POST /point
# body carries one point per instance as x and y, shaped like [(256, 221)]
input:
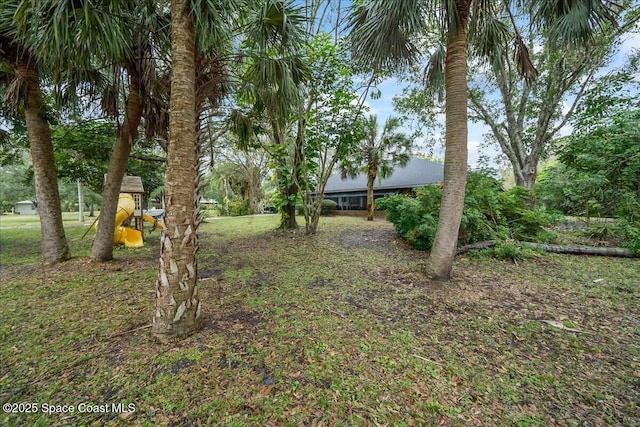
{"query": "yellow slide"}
[(129, 237), (152, 220)]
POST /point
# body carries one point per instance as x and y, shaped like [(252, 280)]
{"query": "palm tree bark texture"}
[(178, 307), (54, 242), (440, 263), (371, 179)]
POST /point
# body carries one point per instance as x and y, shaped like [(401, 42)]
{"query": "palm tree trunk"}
[(443, 252), (177, 303), (102, 249), (371, 207), (54, 242)]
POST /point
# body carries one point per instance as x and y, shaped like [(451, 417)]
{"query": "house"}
[(351, 193), (25, 207)]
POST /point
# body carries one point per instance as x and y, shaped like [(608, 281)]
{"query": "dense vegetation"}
[(490, 213)]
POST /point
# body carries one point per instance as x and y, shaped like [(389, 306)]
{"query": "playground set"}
[(130, 208)]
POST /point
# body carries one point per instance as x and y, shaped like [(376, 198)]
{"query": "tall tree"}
[(23, 93), (378, 154), (200, 31), (525, 116), (177, 303), (330, 123), (133, 80), (386, 33), (382, 32), (272, 88)]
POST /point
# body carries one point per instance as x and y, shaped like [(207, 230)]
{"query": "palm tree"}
[(273, 82), (177, 304), (382, 31), (112, 36), (23, 93), (200, 39), (384, 36), (134, 79), (377, 155)]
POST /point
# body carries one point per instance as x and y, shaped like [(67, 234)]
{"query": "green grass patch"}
[(341, 328)]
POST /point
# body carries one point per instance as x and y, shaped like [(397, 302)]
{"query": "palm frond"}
[(383, 32), (276, 24), (523, 59), (489, 33), (212, 24), (276, 81), (434, 71), (575, 22), (242, 126), (69, 32), (14, 92)]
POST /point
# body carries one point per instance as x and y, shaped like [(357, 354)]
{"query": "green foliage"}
[(378, 151), (512, 250), (83, 150), (630, 233), (328, 207), (280, 201), (489, 214), (238, 207), (600, 171), (629, 227)]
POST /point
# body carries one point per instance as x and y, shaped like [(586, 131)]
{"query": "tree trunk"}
[(288, 190), (443, 252), (102, 249), (288, 214), (371, 207), (253, 195), (178, 307), (54, 242), (526, 175), (559, 249)]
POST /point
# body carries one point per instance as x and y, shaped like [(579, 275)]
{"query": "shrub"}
[(328, 207), (238, 207), (489, 214), (512, 250), (391, 206)]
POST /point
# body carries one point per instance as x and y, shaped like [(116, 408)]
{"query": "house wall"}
[(358, 200), (25, 209)]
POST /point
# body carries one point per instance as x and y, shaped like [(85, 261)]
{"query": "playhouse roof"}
[(131, 184)]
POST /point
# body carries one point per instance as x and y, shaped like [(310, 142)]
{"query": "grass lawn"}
[(68, 219), (338, 329)]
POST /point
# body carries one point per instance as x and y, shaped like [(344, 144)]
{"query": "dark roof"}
[(417, 172)]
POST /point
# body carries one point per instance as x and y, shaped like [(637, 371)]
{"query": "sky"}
[(383, 108)]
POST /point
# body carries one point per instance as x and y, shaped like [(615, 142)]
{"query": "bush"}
[(238, 207), (489, 214), (328, 207)]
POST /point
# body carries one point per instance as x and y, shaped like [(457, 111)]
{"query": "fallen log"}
[(475, 246), (559, 249)]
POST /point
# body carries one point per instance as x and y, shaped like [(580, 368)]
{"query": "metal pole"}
[(80, 203)]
